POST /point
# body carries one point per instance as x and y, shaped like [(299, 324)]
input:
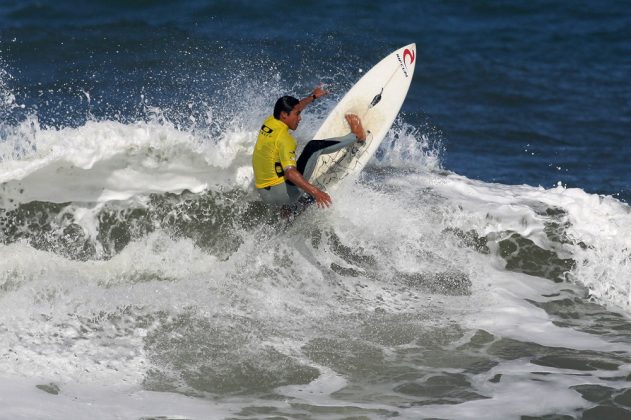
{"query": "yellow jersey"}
[(275, 150)]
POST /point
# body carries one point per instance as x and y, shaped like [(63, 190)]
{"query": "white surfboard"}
[(376, 98)]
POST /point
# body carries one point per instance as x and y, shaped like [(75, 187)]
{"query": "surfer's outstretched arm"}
[(318, 92), (322, 199)]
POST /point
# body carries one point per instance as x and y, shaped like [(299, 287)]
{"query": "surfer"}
[(278, 175)]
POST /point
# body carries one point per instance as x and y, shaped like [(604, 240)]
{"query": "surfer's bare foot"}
[(356, 127)]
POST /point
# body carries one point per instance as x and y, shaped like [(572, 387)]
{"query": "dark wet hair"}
[(284, 104)]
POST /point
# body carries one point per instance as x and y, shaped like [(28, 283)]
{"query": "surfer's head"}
[(286, 111)]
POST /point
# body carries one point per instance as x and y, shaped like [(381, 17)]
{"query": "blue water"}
[(478, 268), (518, 93)]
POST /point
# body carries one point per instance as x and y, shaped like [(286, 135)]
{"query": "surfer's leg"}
[(277, 194), (293, 192), (280, 194), (312, 151), (289, 198)]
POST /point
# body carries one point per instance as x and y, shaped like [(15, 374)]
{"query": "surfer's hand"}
[(322, 199), (318, 92)]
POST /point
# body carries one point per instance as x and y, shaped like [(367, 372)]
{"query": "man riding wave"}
[(278, 175)]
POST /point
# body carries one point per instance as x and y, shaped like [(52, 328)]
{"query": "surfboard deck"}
[(376, 98)]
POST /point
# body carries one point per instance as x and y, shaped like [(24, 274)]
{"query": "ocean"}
[(479, 267)]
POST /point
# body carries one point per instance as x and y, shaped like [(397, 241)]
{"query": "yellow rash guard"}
[(275, 149)]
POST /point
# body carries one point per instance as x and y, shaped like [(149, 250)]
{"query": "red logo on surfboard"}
[(408, 58), (408, 53)]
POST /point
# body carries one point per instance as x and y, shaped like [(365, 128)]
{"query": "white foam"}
[(519, 393), (63, 306), (20, 399), (275, 278), (506, 313), (598, 231), (406, 146), (291, 287), (105, 161)]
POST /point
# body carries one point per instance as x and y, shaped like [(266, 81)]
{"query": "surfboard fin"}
[(376, 99)]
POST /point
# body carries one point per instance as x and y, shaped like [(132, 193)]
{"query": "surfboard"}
[(376, 98)]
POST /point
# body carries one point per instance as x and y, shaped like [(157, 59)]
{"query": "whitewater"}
[(141, 278)]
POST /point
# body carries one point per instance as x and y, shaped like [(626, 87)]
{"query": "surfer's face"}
[(292, 119)]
